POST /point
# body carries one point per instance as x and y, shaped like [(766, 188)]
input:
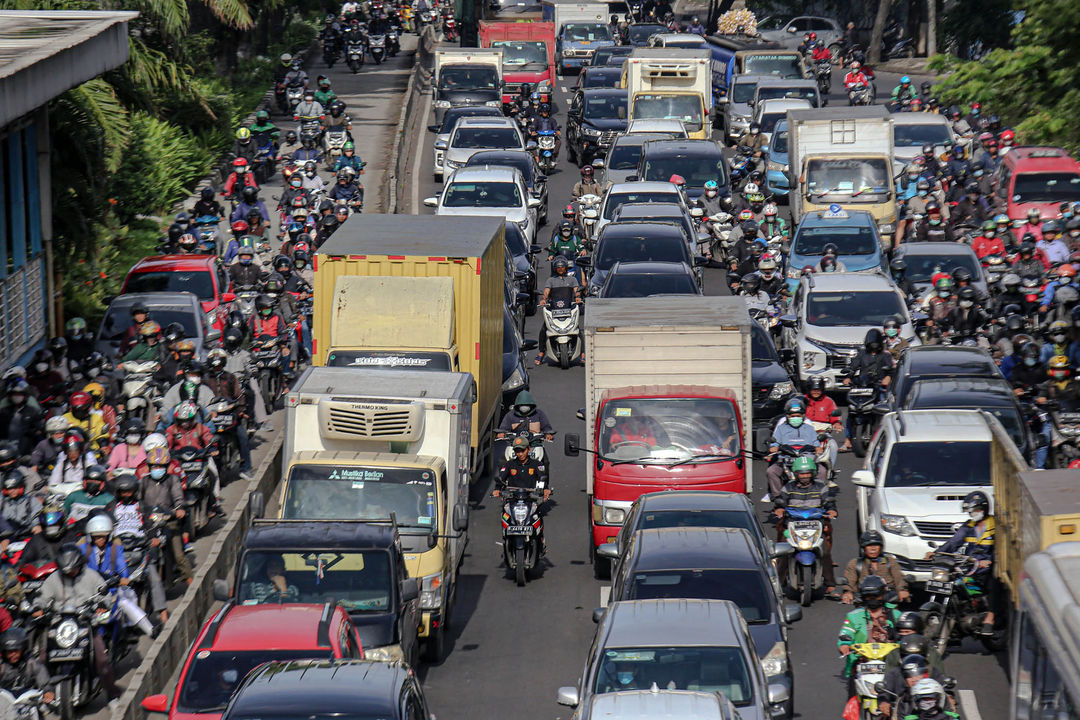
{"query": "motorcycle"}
[(823, 76), (450, 33), (330, 52), (198, 485), (536, 444), (206, 230), (377, 47), (336, 137), (393, 43), (894, 45), (265, 164), (139, 389), (995, 266), (354, 55), (294, 94), (719, 228), (742, 164), (266, 361), (1064, 438), (957, 606), (545, 149), (562, 318), (588, 209), (523, 531), (426, 18), (859, 94), (226, 419), (27, 705), (869, 670), (805, 532), (862, 402)]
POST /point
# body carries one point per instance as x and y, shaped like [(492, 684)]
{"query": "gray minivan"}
[(666, 704)]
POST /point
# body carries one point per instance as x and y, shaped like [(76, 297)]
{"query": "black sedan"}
[(623, 242), (522, 160), (524, 256), (595, 118), (645, 279), (608, 76)]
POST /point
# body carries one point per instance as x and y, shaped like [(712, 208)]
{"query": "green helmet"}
[(804, 464), (262, 116), (989, 225), (76, 324)]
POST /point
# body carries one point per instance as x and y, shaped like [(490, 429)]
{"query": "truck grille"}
[(582, 52), (352, 421), (511, 88), (934, 529)]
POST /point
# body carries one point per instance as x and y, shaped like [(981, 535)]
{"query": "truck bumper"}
[(429, 623), (604, 533), (566, 63)]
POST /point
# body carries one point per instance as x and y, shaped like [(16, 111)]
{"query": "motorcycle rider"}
[(772, 224), (71, 467), (587, 185), (20, 416), (189, 387), (696, 27), (1031, 226), (268, 322), (902, 92), (973, 208), (349, 159), (975, 538), (1028, 263), (324, 95), (80, 341), (830, 251), (207, 204), (820, 53), (524, 471), (131, 518), (874, 622), (894, 343), (854, 79), (750, 289), (20, 513), (20, 670), (1051, 245), (967, 318), (244, 273), (309, 109), (806, 492), (106, 556), (345, 190), (46, 452), (262, 131), (330, 37), (160, 486), (1060, 386), (224, 384), (239, 178), (239, 364), (772, 281), (1059, 343), (872, 561), (129, 454), (242, 146), (82, 503), (310, 178), (929, 702), (309, 151), (935, 229), (249, 200), (753, 141), (989, 242), (546, 123), (794, 431), (560, 279), (565, 242), (525, 415), (43, 375)]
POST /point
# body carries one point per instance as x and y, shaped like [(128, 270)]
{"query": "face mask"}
[(923, 193), (157, 472), (194, 379), (41, 367), (943, 294), (873, 601), (17, 398), (265, 312), (1030, 362), (93, 372), (625, 678), (892, 332), (990, 234), (977, 515), (1064, 280), (978, 173), (935, 222), (711, 193), (300, 265), (133, 439), (927, 703), (795, 421), (57, 440)]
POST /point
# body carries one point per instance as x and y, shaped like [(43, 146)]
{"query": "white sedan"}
[(493, 190)]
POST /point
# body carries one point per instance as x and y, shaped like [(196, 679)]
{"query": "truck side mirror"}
[(461, 517), (221, 592), (410, 590), (256, 505), (571, 445)]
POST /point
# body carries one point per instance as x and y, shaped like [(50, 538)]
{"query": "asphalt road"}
[(512, 647)]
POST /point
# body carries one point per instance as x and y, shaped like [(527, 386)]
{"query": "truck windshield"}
[(919, 135), (785, 65), (848, 239), (388, 360), (482, 195), (926, 464), (1046, 187), (743, 92), (838, 309), (358, 581), (640, 34), (685, 108), (576, 32), (708, 669), (200, 283), (516, 52), (330, 492), (742, 587), (468, 77), (853, 180), (666, 431)]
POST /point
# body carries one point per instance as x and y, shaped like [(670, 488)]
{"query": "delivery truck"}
[(466, 76), (416, 292), (528, 56), (387, 447), (580, 28), (841, 158), (667, 401), (670, 83)]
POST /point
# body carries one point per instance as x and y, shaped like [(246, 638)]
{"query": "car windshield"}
[(768, 120), (614, 200), (517, 52), (848, 239), (606, 78), (515, 240), (482, 195), (1046, 187), (778, 142), (629, 284), (576, 32), (663, 431), (920, 268), (624, 156), (1007, 416), (198, 282), (358, 581), (521, 162), (761, 348), (118, 320), (919, 135), (651, 247), (489, 137), (684, 108), (774, 22), (639, 34), (331, 492), (466, 77), (853, 180), (941, 462), (699, 518), (214, 675), (454, 114), (743, 92), (785, 65), (838, 309), (778, 92), (706, 669), (745, 588), (696, 168), (610, 106)]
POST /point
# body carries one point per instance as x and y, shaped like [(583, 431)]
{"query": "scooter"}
[(545, 150), (869, 670), (336, 137), (198, 485), (139, 389), (957, 606), (562, 319), (823, 76), (523, 531), (859, 94), (293, 95), (226, 418), (806, 533), (377, 47), (27, 705)]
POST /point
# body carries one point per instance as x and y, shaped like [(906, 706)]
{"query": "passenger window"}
[(820, 24)]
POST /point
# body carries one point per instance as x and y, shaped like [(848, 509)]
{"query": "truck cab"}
[(528, 56), (466, 76), (577, 41), (672, 83)]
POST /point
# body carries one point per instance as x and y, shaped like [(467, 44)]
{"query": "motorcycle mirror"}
[(949, 682), (531, 145), (879, 687), (571, 445), (213, 335), (696, 212), (580, 414), (788, 320)]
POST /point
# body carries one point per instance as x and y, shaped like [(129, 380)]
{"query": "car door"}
[(865, 498), (573, 119)]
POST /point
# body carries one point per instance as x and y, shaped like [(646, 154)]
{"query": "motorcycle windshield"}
[(805, 513)]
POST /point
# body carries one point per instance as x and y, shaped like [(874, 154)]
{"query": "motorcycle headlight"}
[(775, 663), (494, 103), (521, 513), (67, 632), (897, 525), (939, 575), (516, 380), (442, 104), (387, 653), (431, 592), (780, 390)]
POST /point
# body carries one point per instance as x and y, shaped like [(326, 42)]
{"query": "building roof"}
[(45, 53)]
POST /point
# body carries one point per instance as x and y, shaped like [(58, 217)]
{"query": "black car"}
[(329, 689), (595, 117), (936, 361), (523, 160), (637, 242), (697, 161), (605, 76), (452, 115), (660, 211), (612, 55), (993, 395), (645, 279), (515, 373), (524, 256), (710, 563), (359, 566), (772, 384), (638, 35)]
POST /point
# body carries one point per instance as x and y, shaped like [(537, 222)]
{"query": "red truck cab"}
[(661, 437), (202, 275), (528, 55), (1037, 177)]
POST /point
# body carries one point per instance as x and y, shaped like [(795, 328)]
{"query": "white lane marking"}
[(969, 705), (563, 88), (605, 595), (415, 208)]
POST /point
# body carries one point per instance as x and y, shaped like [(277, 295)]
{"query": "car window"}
[(941, 462), (624, 156), (920, 268), (632, 285), (745, 588), (606, 107), (848, 239), (743, 92), (482, 195), (640, 249), (820, 24), (198, 282), (469, 138), (1046, 187), (840, 308), (919, 135), (779, 92), (877, 455), (696, 168), (615, 200), (213, 676), (118, 320), (761, 348), (708, 669)]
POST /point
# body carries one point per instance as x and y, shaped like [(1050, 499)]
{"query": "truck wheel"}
[(435, 646)]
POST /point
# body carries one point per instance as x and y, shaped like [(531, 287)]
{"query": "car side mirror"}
[(584, 262), (567, 696), (523, 297), (580, 414), (782, 549), (256, 504), (598, 614), (431, 202), (791, 29), (461, 517), (788, 321), (631, 178), (599, 164), (440, 144), (787, 355), (534, 248), (571, 445), (792, 613), (863, 478), (213, 335), (608, 550), (530, 344), (433, 128), (534, 203), (764, 148), (531, 145), (723, 100), (778, 694), (410, 590), (156, 704), (221, 592), (696, 212), (228, 297)]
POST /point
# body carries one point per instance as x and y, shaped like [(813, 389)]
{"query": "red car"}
[(202, 275), (238, 638), (1037, 177)]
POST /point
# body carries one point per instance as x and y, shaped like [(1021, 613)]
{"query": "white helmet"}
[(154, 440), (928, 694), (100, 524), (750, 189), (57, 423), (771, 209)]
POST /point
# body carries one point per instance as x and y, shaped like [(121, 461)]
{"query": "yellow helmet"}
[(96, 391), (1058, 362), (243, 134)]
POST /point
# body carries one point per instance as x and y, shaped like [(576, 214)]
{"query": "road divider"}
[(408, 124)]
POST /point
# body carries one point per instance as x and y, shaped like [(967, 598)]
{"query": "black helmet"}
[(898, 266), (58, 346), (1073, 224), (173, 332), (232, 339), (830, 249), (14, 479), (545, 108), (139, 308), (561, 262), (871, 537), (910, 620), (914, 666), (14, 639), (70, 559), (872, 585), (250, 195), (133, 425), (1027, 247), (263, 302), (8, 452), (977, 499), (873, 340), (174, 233), (282, 262), (329, 222), (195, 367), (914, 644), (928, 149), (751, 283), (755, 126), (968, 293), (961, 274), (816, 382), (274, 284), (95, 473), (1030, 350), (1014, 323), (125, 483)]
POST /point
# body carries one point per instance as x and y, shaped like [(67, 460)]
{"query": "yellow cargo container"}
[(412, 314)]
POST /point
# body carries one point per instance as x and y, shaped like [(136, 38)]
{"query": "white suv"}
[(830, 316), (919, 467), (473, 134)]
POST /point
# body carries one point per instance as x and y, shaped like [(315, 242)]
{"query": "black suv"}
[(938, 362), (595, 118)]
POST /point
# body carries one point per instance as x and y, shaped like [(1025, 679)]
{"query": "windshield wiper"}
[(216, 708), (828, 192), (698, 458)]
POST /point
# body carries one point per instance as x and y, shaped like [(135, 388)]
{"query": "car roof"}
[(672, 623), (490, 173), (1028, 158), (935, 248), (164, 263), (639, 138), (919, 118), (852, 282), (855, 217), (644, 186), (781, 104), (156, 299), (661, 229), (939, 425), (282, 535), (656, 704), (657, 209), (960, 393), (748, 78), (694, 500), (494, 156), (770, 81), (613, 92), (295, 626), (320, 687), (694, 547), (668, 37), (650, 267), (946, 360), (681, 145), (483, 121), (603, 70)]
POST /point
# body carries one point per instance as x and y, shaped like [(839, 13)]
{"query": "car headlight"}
[(453, 164), (812, 359), (774, 166), (523, 225), (897, 525), (516, 380), (567, 52), (431, 592), (780, 390), (386, 653), (775, 663), (442, 104), (603, 515), (494, 103), (67, 633), (591, 132), (210, 316), (886, 228)]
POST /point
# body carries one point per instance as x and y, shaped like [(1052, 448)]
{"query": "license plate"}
[(191, 466), (871, 668), (519, 530), (861, 392), (66, 654), (809, 525), (224, 419), (939, 588)]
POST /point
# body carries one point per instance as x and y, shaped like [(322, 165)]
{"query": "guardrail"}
[(419, 84), (170, 648)]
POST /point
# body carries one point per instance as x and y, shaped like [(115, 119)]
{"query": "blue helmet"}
[(905, 80)]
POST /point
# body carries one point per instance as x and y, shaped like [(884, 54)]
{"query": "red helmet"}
[(568, 211), (240, 227), (813, 36), (240, 164), (587, 171), (1008, 136), (1066, 270), (677, 179), (81, 400)]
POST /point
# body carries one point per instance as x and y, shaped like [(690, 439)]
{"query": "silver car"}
[(789, 33), (736, 104), (637, 192), (621, 160), (442, 131), (495, 190), (666, 704), (699, 645), (473, 134)]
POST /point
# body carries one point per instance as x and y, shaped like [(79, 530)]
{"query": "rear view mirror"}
[(221, 593), (461, 517), (410, 590), (608, 550), (792, 612), (156, 703), (782, 549), (598, 163), (571, 445), (580, 414), (787, 355), (863, 478), (529, 344)]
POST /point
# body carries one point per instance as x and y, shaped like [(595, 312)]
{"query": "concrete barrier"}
[(170, 648), (419, 84)]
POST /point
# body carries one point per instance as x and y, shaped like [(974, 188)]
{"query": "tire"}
[(564, 356), (806, 587), (435, 646), (933, 629), (859, 440), (519, 566), (834, 50), (65, 699), (265, 388)]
